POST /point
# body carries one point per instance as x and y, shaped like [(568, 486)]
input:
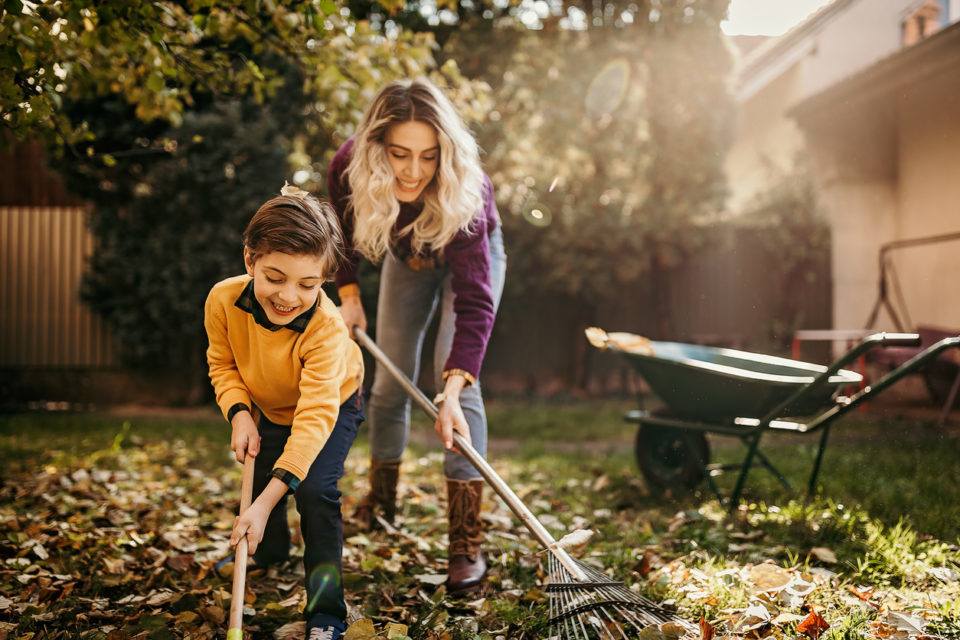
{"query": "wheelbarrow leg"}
[(948, 405), (754, 442), (812, 486), (765, 461)]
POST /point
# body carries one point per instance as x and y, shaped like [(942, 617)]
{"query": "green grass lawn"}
[(109, 525)]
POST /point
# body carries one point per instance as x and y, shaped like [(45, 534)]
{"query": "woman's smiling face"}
[(413, 152), (285, 285)]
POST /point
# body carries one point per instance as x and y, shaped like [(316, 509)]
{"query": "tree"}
[(161, 56), (608, 141), (176, 120)]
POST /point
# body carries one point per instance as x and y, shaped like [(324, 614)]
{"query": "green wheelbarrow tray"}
[(743, 394), (710, 383)]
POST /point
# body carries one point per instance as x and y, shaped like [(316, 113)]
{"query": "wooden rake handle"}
[(497, 483), (235, 632)]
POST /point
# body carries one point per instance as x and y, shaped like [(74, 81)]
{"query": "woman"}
[(409, 190)]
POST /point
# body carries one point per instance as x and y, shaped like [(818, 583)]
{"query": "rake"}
[(583, 602), (235, 631)]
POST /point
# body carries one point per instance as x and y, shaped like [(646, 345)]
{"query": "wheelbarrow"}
[(742, 394)]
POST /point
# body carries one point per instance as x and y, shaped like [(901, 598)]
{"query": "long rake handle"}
[(493, 479), (235, 632)]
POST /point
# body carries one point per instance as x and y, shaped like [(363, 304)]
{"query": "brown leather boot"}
[(467, 566), (382, 499)]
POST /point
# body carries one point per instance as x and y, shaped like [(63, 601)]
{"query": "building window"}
[(925, 21)]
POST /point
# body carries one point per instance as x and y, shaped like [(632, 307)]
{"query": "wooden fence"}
[(44, 323)]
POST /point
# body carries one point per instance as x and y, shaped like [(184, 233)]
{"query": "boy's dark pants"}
[(318, 501)]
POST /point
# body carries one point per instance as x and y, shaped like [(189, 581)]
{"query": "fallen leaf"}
[(813, 625), (904, 622), (769, 577), (824, 555), (361, 630), (706, 629), (394, 629), (534, 595), (753, 618), (575, 539), (291, 631)]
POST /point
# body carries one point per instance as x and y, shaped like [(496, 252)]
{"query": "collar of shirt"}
[(248, 302)]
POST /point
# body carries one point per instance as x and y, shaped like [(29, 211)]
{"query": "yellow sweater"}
[(299, 379)]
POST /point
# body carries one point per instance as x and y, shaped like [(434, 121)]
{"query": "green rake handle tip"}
[(235, 634)]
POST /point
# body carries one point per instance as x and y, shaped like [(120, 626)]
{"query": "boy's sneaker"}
[(323, 633)]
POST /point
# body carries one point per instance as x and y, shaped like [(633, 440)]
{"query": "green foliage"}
[(169, 219), (606, 144), (164, 57), (949, 624), (851, 627), (176, 121)]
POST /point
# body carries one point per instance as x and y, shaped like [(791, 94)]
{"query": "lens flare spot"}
[(537, 214), (608, 89), (553, 185), (323, 578)]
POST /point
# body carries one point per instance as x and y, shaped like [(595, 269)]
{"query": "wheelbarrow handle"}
[(884, 339), (480, 464)]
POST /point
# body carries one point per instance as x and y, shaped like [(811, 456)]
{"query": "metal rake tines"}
[(599, 607)]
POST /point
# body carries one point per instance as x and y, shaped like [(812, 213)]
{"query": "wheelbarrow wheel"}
[(671, 458)]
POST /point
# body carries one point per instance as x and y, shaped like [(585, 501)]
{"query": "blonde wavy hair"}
[(451, 200)]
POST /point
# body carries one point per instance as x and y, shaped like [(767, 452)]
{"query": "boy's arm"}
[(227, 383), (253, 521), (325, 359)]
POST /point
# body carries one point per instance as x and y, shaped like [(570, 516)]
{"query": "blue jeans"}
[(318, 501), (408, 299)]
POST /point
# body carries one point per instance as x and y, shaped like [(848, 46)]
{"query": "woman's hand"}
[(351, 308), (245, 437), (450, 416)]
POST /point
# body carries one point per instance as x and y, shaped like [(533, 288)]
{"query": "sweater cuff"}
[(287, 478), (466, 375), (348, 290), (235, 409)]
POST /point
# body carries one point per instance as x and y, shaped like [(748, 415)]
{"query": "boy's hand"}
[(245, 437), (253, 521), (250, 525)]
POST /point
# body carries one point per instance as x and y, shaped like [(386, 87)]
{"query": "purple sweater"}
[(467, 257)]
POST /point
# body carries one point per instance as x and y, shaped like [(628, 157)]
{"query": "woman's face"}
[(413, 152)]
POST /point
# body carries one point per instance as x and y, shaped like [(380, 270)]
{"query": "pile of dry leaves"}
[(121, 545)]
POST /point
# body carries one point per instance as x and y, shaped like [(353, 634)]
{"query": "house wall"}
[(863, 215), (767, 141), (859, 35), (888, 165), (854, 35), (929, 201)]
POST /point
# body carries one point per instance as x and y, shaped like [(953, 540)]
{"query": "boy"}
[(277, 342)]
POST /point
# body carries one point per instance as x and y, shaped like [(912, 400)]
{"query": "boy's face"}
[(285, 285)]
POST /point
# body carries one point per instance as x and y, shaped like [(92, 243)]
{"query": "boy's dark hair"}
[(296, 225)]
